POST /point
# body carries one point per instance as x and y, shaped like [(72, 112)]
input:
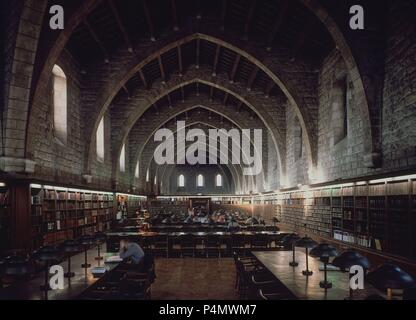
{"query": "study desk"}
[(307, 288)]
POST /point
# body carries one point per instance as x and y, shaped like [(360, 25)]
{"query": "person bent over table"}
[(131, 251)]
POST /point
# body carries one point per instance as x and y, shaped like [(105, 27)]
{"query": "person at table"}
[(232, 224), (131, 251)]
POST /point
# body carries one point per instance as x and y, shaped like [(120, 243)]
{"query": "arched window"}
[(59, 104), (100, 141), (200, 181), (340, 101), (297, 139), (181, 181), (218, 180), (136, 171), (123, 159)]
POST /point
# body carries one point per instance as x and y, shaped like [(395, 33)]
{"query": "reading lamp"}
[(48, 255), (350, 258), (70, 247), (389, 277), (306, 243), (86, 241), (290, 241), (99, 238), (275, 221), (324, 251)]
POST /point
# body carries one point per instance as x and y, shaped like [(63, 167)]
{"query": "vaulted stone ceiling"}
[(150, 61)]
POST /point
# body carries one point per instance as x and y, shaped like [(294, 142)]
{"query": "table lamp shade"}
[(100, 237), (350, 258), (289, 239), (70, 246), (306, 242), (390, 276), (47, 253), (86, 240), (323, 250), (275, 220), (17, 266)]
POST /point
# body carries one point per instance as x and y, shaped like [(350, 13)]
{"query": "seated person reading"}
[(131, 251)]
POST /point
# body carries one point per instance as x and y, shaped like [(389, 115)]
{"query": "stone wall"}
[(399, 107)]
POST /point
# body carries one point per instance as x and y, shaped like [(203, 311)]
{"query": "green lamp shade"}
[(323, 250), (306, 242), (390, 276), (350, 258), (288, 240)]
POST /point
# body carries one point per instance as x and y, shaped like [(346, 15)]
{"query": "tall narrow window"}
[(147, 175), (155, 181), (218, 180), (200, 181), (136, 171), (297, 139), (100, 141), (339, 121), (181, 181), (59, 104), (123, 159)]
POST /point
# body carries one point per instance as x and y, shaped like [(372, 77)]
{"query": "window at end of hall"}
[(218, 180), (181, 181)]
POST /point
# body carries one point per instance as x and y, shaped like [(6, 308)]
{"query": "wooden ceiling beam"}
[(235, 68), (252, 77), (198, 52), (239, 106), (149, 20), (284, 6), (301, 38), (224, 101), (97, 40), (143, 78), (180, 61), (121, 25), (223, 13), (198, 9), (162, 69), (211, 93), (216, 59), (269, 88), (126, 90), (249, 18), (174, 15)]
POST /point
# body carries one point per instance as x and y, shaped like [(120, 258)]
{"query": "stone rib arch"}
[(301, 108), (138, 111), (370, 140), (147, 162), (190, 106)]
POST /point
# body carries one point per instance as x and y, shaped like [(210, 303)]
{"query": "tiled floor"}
[(194, 279)]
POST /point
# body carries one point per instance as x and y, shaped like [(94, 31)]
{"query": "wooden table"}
[(307, 288)]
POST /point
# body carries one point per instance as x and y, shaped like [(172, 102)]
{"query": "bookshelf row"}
[(60, 213), (5, 218), (128, 205), (377, 214)]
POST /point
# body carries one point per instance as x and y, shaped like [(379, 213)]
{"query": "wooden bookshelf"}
[(5, 219), (59, 213), (377, 215), (128, 204)]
